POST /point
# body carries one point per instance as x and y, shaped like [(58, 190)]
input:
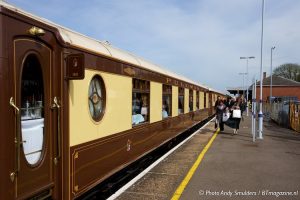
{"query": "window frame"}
[(181, 93), (32, 99), (102, 98), (167, 91), (191, 100), (141, 87)]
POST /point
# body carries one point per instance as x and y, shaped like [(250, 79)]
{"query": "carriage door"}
[(35, 149)]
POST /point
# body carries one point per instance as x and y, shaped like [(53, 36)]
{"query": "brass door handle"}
[(12, 176), (12, 104), (56, 106), (17, 141)]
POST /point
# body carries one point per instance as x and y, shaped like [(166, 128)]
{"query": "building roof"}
[(101, 47), (279, 81), (237, 90)]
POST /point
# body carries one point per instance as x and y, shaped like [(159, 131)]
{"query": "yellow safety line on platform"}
[(191, 172)]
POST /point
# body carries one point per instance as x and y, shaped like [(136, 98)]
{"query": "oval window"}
[(32, 110), (96, 98)]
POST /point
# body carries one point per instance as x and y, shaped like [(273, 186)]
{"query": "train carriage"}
[(76, 110)]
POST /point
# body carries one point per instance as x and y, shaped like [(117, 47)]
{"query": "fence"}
[(294, 116), (284, 113)]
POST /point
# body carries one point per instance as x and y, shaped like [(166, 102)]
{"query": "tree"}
[(289, 71)]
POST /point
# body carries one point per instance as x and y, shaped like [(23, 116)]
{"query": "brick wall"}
[(278, 91)]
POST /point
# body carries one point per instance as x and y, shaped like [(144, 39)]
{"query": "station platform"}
[(220, 165), (237, 168)]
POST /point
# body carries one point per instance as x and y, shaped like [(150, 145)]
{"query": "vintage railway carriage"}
[(76, 110)]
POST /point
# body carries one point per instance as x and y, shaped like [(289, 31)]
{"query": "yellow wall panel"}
[(117, 115), (194, 100), (174, 101), (186, 100), (199, 100), (155, 102), (201, 96), (207, 100)]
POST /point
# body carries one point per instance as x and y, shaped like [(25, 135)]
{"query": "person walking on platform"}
[(236, 113), (220, 108), (216, 104), (225, 101), (230, 101)]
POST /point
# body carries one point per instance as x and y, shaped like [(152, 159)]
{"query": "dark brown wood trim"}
[(6, 116), (65, 133), (39, 191), (94, 161), (14, 27), (31, 21), (122, 68)]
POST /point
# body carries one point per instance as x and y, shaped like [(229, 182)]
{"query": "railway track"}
[(118, 180)]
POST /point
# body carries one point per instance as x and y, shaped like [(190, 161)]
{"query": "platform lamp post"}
[(247, 94), (243, 82), (271, 78), (260, 114)]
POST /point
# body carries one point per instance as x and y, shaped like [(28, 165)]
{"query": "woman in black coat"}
[(220, 108)]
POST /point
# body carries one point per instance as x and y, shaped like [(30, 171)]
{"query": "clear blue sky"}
[(200, 39)]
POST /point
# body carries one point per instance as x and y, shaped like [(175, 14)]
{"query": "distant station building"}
[(282, 88), (237, 90)]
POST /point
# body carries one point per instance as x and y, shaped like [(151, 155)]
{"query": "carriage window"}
[(140, 101), (32, 109), (167, 101), (204, 99), (180, 100), (191, 100), (96, 98), (197, 100)]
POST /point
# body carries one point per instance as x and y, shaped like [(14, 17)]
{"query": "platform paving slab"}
[(237, 168), (161, 182)]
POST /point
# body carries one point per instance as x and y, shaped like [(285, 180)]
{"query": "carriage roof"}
[(101, 47)]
